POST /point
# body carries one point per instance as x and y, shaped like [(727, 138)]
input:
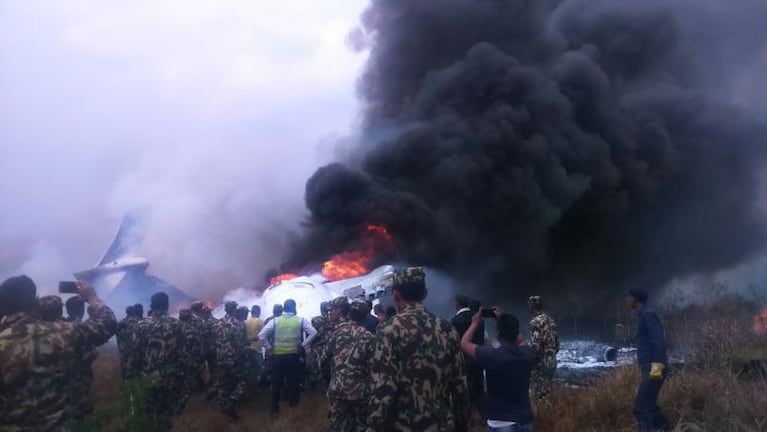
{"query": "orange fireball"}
[(281, 278), (357, 262)]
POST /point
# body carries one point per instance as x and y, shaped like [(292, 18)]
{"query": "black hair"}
[(289, 306), (462, 301), (230, 308), (639, 294), (508, 328), (159, 302), (475, 305), (277, 310), (344, 308), (17, 294), (411, 291), (356, 315), (255, 311), (139, 309), (75, 307)]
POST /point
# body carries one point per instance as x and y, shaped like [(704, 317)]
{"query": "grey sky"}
[(213, 113)]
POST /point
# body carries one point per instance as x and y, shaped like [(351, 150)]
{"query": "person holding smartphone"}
[(508, 367)]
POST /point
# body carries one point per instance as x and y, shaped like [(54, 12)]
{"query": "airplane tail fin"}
[(129, 237)]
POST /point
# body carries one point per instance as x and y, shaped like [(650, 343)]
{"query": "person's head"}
[(289, 306), (390, 312), (461, 301), (185, 315), (255, 311), (379, 310), (277, 310), (230, 308), (324, 308), (534, 304), (17, 294), (207, 312), (197, 307), (75, 308), (475, 306), (51, 308), (339, 308), (636, 298), (159, 303), (508, 329), (242, 313), (409, 286), (131, 311), (138, 308), (358, 311)]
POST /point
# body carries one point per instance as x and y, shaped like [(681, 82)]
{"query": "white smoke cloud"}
[(211, 114)]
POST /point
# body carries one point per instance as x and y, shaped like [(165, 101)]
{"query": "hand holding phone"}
[(487, 313), (68, 287)]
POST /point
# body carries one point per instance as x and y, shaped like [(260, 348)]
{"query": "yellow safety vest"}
[(287, 335)]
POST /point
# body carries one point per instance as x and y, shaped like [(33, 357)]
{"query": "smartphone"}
[(68, 287), (487, 312)]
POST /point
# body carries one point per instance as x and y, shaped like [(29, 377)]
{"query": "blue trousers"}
[(646, 410)]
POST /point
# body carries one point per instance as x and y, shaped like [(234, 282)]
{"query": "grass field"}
[(695, 400)]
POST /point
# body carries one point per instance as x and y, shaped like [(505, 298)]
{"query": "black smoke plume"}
[(525, 146)]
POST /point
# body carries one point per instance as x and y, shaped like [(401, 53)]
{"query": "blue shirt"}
[(508, 382), (650, 338)]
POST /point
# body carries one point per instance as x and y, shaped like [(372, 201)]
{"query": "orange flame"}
[(760, 323), (281, 278), (356, 263), (209, 304)]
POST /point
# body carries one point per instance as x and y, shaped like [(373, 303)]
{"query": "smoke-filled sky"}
[(576, 147), (211, 113)]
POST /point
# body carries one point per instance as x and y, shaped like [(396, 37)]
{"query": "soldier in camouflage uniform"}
[(158, 353), (545, 343), (419, 381), (207, 322), (229, 379), (191, 350), (37, 357), (321, 323), (349, 348), (51, 308), (126, 336), (83, 367)]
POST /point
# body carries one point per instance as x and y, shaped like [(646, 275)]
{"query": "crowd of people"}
[(402, 369)]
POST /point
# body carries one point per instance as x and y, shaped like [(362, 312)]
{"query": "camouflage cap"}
[(197, 306), (359, 305), (185, 314), (51, 307), (339, 302), (534, 300), (408, 275)]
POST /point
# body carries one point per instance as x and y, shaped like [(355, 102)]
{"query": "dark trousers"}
[(288, 369), (646, 410)]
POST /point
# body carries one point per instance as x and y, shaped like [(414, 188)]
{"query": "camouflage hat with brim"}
[(50, 302), (408, 275), (185, 314), (197, 306), (230, 307), (339, 302), (534, 300), (359, 305)]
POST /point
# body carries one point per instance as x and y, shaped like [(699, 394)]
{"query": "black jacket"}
[(462, 321), (650, 338)]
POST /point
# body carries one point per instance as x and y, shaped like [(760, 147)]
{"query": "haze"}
[(211, 114)]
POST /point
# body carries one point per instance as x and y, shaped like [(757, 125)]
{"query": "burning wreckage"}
[(120, 277)]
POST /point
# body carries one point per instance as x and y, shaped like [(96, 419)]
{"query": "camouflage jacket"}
[(126, 336), (230, 341), (192, 343), (544, 340), (36, 360), (419, 381), (349, 349), (207, 326), (158, 347), (322, 324)]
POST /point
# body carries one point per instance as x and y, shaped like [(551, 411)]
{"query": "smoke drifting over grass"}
[(574, 147)]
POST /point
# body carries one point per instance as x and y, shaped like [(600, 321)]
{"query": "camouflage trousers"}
[(228, 385), (165, 400), (316, 373), (540, 384), (82, 378), (347, 415)]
